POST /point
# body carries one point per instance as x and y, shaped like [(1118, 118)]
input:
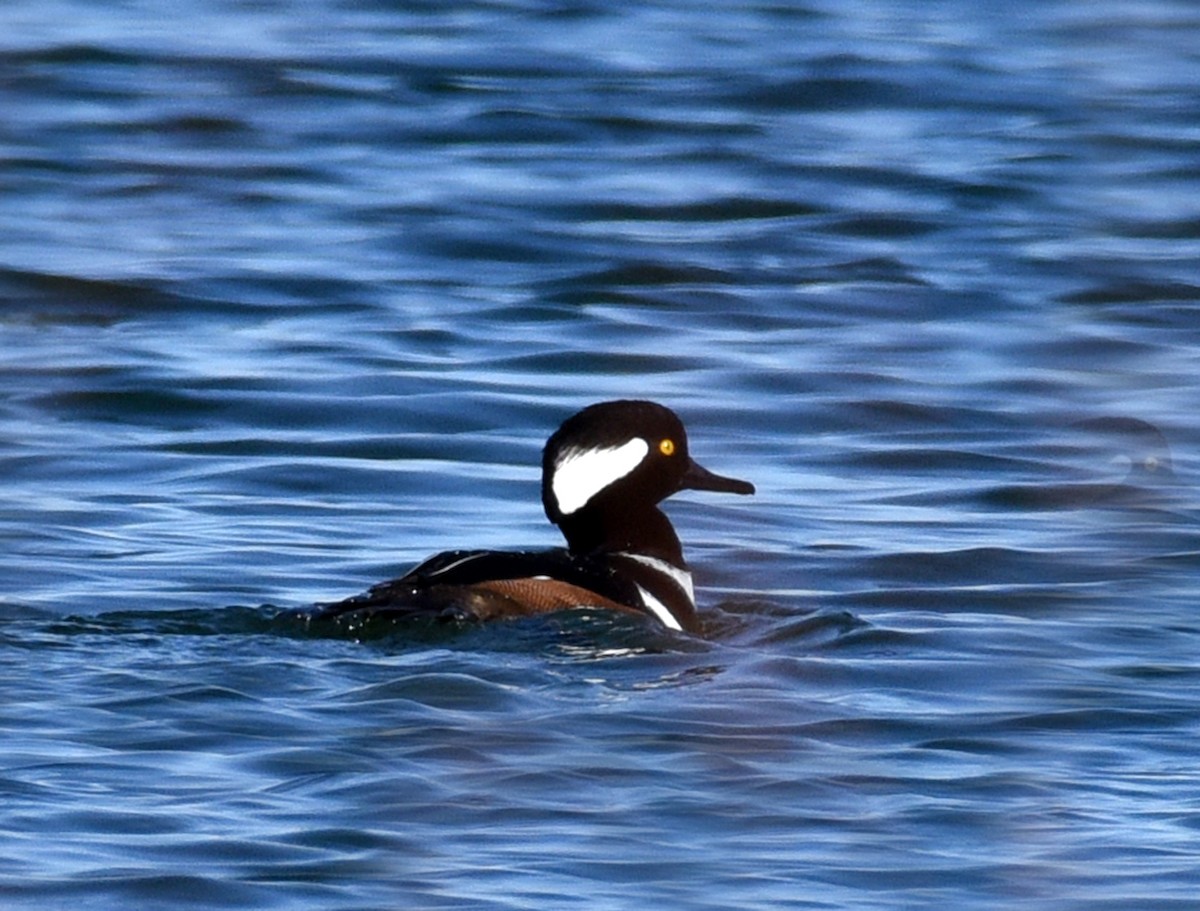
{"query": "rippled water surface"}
[(292, 293)]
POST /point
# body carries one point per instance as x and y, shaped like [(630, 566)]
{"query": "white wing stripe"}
[(659, 610), (680, 577)]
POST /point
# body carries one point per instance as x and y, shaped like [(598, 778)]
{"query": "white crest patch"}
[(580, 474)]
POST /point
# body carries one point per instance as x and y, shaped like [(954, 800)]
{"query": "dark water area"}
[(291, 295)]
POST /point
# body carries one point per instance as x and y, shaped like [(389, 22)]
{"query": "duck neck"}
[(646, 531)]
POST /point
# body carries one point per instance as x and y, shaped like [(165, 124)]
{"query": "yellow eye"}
[(667, 447)]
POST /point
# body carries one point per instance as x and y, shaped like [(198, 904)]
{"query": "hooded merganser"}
[(604, 472)]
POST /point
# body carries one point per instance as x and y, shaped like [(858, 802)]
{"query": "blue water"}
[(291, 294)]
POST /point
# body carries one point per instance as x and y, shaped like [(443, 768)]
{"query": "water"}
[(292, 293)]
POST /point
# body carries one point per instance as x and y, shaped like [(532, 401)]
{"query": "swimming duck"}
[(604, 473)]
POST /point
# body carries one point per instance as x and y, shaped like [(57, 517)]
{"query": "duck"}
[(605, 472)]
